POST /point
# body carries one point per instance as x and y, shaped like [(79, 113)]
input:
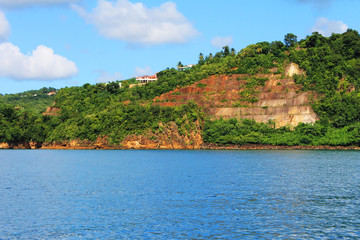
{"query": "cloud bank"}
[(220, 42), (135, 23), (42, 64), (25, 3), (326, 27), (4, 27)]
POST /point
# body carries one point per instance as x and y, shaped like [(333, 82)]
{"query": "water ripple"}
[(179, 195)]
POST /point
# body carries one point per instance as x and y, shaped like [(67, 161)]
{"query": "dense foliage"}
[(35, 100), (332, 66), (246, 131), (88, 120), (17, 125), (115, 120)]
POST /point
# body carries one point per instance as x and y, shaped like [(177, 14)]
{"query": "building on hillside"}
[(51, 93), (147, 79), (183, 68)]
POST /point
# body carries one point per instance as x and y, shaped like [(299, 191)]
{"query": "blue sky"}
[(62, 43)]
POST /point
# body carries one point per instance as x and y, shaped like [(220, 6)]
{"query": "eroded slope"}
[(261, 97)]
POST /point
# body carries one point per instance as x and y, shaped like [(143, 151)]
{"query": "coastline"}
[(203, 146)]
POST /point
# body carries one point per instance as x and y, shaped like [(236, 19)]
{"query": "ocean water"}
[(122, 194)]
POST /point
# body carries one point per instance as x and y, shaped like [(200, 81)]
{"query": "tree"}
[(226, 51), (351, 42), (263, 47), (201, 59), (276, 47), (180, 64), (290, 40), (315, 40)]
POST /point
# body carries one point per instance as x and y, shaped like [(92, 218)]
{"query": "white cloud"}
[(220, 42), (4, 27), (143, 71), (42, 64), (24, 3), (135, 23), (326, 27), (105, 77)]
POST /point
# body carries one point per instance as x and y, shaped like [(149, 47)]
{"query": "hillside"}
[(35, 100), (293, 93), (262, 97)]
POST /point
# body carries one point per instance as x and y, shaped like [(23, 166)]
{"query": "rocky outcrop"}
[(100, 143), (167, 138), (293, 69), (4, 146), (21, 145), (52, 111)]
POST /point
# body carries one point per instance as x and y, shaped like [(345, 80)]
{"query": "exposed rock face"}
[(280, 99), (293, 69), (4, 146), (169, 138), (21, 145), (281, 115), (35, 145), (100, 143), (52, 111)]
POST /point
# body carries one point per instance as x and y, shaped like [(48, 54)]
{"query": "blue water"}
[(48, 194)]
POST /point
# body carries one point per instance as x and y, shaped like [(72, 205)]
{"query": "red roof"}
[(147, 77)]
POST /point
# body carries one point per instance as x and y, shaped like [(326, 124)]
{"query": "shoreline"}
[(203, 146)]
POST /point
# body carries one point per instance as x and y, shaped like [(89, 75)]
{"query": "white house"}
[(147, 79)]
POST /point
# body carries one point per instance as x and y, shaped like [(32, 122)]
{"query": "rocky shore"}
[(139, 144)]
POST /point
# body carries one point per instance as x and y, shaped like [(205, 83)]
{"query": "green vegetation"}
[(17, 125), (115, 121), (201, 85), (332, 67), (35, 100), (246, 131), (118, 120), (249, 94)]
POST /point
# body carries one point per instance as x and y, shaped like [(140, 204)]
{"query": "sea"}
[(172, 194)]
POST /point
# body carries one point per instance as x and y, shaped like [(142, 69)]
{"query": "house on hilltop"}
[(147, 79)]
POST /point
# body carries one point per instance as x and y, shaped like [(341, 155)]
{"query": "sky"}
[(59, 43)]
